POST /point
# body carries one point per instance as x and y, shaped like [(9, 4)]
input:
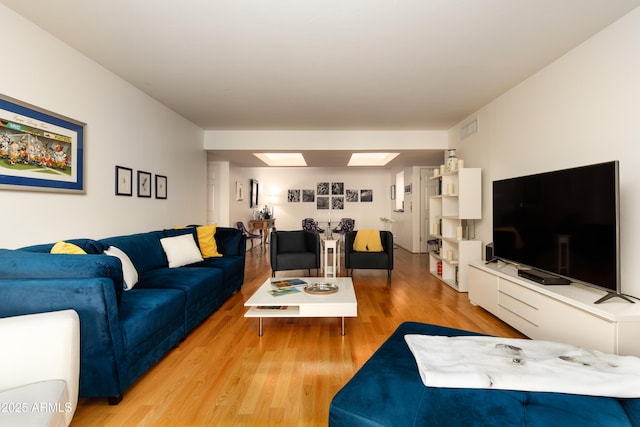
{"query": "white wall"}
[(239, 210), (277, 181), (581, 109), (124, 127), (218, 189)]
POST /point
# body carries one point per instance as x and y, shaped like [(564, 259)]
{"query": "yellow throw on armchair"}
[(367, 241), (370, 251)]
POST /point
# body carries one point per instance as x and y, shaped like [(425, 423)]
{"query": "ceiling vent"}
[(469, 129)]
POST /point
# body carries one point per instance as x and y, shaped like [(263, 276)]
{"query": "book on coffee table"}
[(287, 283)]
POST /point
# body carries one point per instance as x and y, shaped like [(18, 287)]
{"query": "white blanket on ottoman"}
[(518, 364)]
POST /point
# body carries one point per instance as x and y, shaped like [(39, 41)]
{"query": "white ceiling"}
[(323, 64), (332, 158)]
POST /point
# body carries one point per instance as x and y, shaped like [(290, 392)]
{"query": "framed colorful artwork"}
[(39, 150)]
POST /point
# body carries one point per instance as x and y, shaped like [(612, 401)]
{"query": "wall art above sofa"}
[(39, 150)]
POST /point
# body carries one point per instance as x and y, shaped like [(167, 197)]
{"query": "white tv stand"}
[(565, 313)]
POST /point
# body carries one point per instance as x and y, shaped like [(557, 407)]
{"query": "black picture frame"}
[(293, 196), (253, 201), (144, 184), (308, 195), (161, 187), (323, 189), (337, 188), (337, 202), (124, 181)]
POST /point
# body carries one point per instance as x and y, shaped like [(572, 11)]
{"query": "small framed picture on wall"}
[(239, 191), (322, 202), (337, 188), (337, 202), (308, 195), (144, 184), (124, 181), (253, 196), (293, 196), (161, 187), (322, 189)]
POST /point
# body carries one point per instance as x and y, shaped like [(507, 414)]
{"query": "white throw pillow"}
[(129, 272), (181, 250)]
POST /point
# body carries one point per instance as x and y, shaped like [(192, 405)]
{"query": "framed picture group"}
[(329, 195), (145, 183)]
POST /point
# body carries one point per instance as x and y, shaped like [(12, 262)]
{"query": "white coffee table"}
[(301, 304)]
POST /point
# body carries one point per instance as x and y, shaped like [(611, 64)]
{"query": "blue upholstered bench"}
[(388, 391)]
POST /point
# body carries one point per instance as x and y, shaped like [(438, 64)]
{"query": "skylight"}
[(282, 159), (371, 159)]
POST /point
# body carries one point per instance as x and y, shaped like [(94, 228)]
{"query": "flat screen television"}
[(565, 223)]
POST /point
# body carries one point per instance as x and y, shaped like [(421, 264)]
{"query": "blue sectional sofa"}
[(123, 333), (388, 391)]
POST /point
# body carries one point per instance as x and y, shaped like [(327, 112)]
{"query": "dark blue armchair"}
[(369, 260), (294, 250)]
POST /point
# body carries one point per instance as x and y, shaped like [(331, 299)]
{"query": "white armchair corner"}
[(39, 368)]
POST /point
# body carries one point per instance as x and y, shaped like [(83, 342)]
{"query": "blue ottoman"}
[(388, 391)]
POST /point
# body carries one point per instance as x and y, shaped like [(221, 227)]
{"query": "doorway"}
[(428, 188)]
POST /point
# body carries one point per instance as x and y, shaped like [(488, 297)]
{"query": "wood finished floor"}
[(224, 374)]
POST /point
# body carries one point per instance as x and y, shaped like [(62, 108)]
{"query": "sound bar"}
[(542, 277)]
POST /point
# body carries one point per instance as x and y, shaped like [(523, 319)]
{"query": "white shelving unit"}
[(460, 199), (566, 313)]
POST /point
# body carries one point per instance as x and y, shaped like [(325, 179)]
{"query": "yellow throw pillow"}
[(207, 242), (367, 241), (67, 248)]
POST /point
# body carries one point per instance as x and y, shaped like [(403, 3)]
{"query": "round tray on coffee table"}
[(321, 288)]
